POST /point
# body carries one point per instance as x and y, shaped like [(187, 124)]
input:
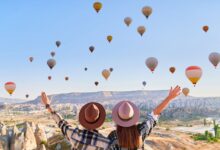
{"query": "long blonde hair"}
[(129, 137)]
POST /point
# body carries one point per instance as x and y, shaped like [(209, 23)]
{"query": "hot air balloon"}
[(205, 28), (85, 69), (214, 58), (58, 43), (111, 69), (127, 21), (109, 38), (106, 73), (49, 77), (10, 87), (141, 30), (151, 63), (172, 69), (193, 73), (91, 48), (97, 6), (52, 53), (185, 91), (31, 59), (66, 78), (147, 11), (144, 83), (96, 83), (26, 95), (51, 63)]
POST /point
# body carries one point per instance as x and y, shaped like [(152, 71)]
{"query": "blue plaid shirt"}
[(81, 139)]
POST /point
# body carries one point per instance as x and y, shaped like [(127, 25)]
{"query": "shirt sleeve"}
[(65, 127), (148, 124)]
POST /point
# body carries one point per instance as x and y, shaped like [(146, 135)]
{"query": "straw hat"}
[(92, 115), (125, 114)]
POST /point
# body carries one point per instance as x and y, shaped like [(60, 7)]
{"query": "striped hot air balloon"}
[(193, 73), (10, 87)]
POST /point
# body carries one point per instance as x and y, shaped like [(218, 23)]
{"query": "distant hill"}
[(11, 100)]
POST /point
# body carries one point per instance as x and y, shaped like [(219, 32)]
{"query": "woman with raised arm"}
[(129, 135)]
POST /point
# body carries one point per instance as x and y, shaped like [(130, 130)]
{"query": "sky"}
[(174, 36)]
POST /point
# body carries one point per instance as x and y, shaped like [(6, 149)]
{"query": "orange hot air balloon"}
[(106, 73), (151, 63), (127, 21), (31, 59), (49, 77), (66, 78), (205, 28), (96, 83), (185, 91), (91, 48), (141, 30), (147, 11), (109, 38), (193, 73), (10, 87), (172, 69), (97, 6)]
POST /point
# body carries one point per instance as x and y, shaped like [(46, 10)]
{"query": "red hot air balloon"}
[(10, 87), (193, 73)]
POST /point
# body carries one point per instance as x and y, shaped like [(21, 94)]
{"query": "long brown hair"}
[(129, 137)]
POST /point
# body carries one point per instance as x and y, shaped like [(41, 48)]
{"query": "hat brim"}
[(100, 120), (126, 123)]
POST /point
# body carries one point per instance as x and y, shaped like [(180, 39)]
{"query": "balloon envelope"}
[(31, 59), (51, 63), (58, 43), (109, 38), (185, 91), (10, 87), (193, 73), (144, 83), (127, 21), (147, 11), (205, 28), (111, 69), (53, 54), (66, 78), (85, 69), (49, 77), (141, 30), (172, 69), (26, 95), (106, 73), (214, 58), (97, 6), (91, 48), (96, 83), (151, 63)]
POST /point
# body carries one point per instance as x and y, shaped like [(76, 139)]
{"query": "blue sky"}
[(174, 36)]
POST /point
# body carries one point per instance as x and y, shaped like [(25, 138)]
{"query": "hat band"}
[(125, 119)]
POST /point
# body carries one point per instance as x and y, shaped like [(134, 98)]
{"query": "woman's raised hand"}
[(174, 92), (44, 99)]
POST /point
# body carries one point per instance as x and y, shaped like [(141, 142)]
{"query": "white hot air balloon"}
[(214, 58)]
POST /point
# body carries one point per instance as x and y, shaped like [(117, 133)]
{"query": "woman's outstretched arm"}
[(172, 95)]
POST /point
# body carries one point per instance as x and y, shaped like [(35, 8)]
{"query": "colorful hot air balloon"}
[(53, 53), (66, 78), (127, 21), (31, 59), (111, 69), (97, 6), (26, 95), (91, 48), (96, 83), (185, 91), (58, 43), (109, 38), (147, 11), (106, 73), (214, 58), (172, 69), (51, 63), (141, 30), (205, 28), (193, 73), (49, 77), (144, 83), (10, 87), (151, 63)]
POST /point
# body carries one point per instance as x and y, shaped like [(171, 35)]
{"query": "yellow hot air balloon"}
[(141, 30), (97, 6), (193, 73), (10, 87), (109, 38), (106, 73), (185, 91), (147, 11), (128, 21)]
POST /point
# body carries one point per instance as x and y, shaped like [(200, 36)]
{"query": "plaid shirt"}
[(81, 139), (144, 129)]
